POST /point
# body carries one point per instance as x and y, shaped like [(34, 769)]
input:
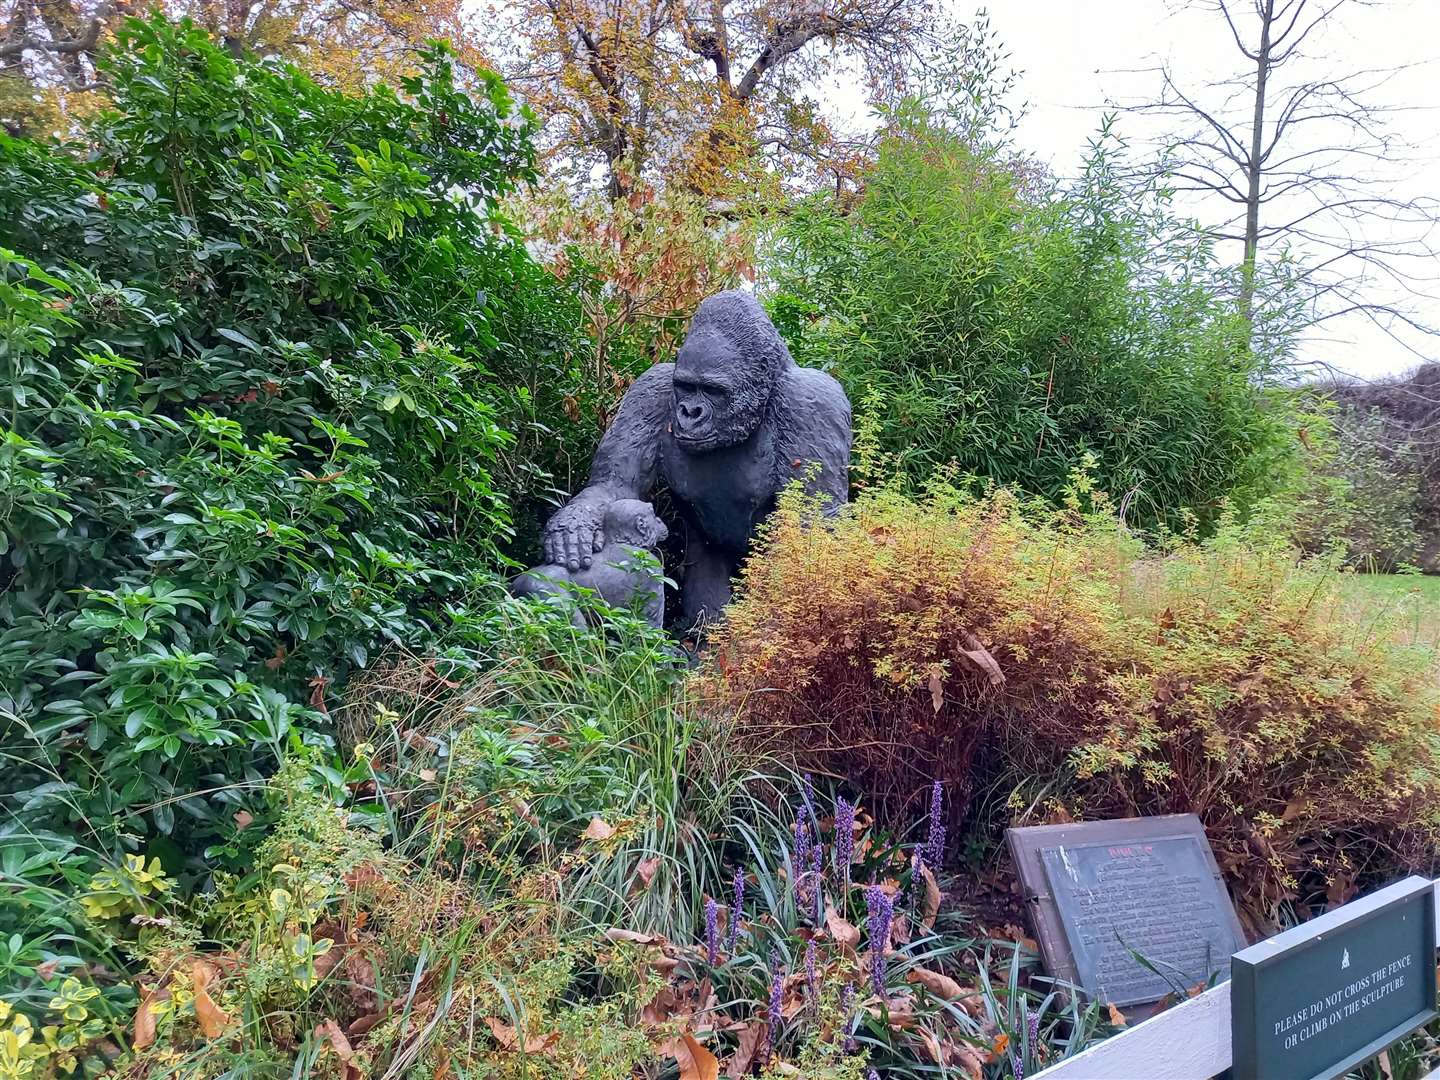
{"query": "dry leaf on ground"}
[(841, 930), (598, 829), (942, 986), (751, 1038), (932, 898), (509, 1038), (213, 1019), (696, 1062)]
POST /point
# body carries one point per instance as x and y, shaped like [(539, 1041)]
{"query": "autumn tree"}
[(48, 47), (662, 91), (1305, 159)]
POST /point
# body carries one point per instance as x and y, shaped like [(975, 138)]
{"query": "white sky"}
[(1078, 56)]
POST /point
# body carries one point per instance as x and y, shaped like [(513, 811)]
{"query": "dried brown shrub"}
[(1220, 679)]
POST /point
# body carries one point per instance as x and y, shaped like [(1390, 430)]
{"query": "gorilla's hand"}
[(577, 530)]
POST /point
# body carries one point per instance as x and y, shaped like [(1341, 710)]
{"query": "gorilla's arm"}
[(816, 429), (625, 467)]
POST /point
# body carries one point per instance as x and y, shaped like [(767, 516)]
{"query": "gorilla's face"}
[(719, 395)]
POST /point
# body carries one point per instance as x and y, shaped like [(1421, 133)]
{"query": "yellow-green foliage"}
[(1220, 678), (337, 947)]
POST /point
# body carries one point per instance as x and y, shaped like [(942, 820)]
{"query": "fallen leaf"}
[(326, 961), (841, 929), (145, 1018), (696, 1062), (509, 1038), (661, 1007), (524, 811), (937, 686), (364, 1023), (242, 819), (646, 869), (331, 1030), (942, 986), (932, 1046), (213, 1019), (969, 1059), (633, 937), (598, 829), (982, 658), (931, 906), (749, 1042), (1117, 1018), (317, 686)]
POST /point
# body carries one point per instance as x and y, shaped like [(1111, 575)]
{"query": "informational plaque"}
[(1315, 1001), (1129, 909)]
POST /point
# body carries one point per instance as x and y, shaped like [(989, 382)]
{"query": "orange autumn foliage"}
[(1219, 678)]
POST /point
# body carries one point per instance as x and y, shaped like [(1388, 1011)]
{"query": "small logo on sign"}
[(1345, 960)]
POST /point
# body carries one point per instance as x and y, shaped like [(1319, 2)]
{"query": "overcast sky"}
[(1079, 56)]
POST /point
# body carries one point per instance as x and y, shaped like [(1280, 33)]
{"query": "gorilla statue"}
[(724, 428)]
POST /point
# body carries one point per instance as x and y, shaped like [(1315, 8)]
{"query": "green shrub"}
[(1051, 658), (1360, 491), (979, 315), (271, 367)]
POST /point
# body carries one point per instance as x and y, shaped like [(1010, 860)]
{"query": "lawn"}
[(1410, 602)]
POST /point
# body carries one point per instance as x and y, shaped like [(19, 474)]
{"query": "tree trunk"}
[(1255, 167)]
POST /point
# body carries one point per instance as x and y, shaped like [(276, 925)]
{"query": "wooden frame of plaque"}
[(1031, 847)]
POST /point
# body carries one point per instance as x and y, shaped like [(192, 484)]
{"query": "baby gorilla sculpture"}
[(620, 572), (725, 427)]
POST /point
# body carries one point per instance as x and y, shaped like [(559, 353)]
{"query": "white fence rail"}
[(1189, 1042)]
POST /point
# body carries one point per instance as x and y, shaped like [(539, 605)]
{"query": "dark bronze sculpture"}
[(622, 571), (724, 428)]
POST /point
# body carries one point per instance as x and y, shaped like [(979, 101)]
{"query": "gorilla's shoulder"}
[(814, 417), (656, 376), (653, 386), (810, 388)]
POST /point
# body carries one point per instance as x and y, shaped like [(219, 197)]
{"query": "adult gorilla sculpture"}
[(725, 427)]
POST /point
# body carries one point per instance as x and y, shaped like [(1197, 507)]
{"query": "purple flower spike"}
[(777, 992), (804, 858), (812, 980), (934, 850), (737, 909), (880, 911), (847, 998), (802, 845), (817, 879), (844, 835), (1033, 1029), (1017, 1065), (712, 931), (872, 1075)]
